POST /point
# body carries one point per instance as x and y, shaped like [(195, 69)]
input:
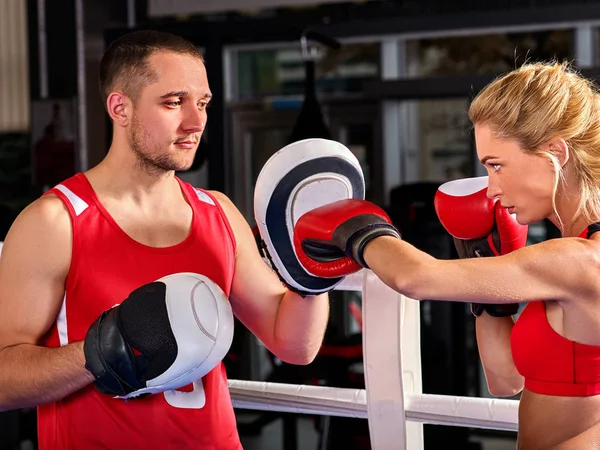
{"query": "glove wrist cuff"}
[(494, 309), (477, 309), (358, 245)]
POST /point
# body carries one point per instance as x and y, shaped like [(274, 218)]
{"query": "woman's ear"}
[(560, 149)]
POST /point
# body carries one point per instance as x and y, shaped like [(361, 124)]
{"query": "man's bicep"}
[(256, 290), (33, 267), (256, 294)]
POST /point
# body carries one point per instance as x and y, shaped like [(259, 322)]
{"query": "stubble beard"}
[(150, 158)]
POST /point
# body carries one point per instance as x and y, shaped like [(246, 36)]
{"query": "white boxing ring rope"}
[(393, 401)]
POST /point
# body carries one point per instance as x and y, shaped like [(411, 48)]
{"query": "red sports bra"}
[(551, 363)]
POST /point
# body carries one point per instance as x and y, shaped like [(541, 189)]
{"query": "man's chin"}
[(183, 167)]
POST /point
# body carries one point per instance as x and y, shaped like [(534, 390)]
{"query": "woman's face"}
[(523, 183)]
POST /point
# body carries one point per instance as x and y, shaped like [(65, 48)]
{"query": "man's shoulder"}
[(219, 196), (43, 228), (212, 196), (47, 208)]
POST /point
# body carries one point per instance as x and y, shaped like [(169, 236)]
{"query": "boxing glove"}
[(163, 336), (480, 227), (330, 240), (116, 360)]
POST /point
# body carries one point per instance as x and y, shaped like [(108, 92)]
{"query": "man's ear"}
[(118, 106), (560, 149)]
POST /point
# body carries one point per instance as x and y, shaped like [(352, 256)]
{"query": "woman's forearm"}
[(493, 342)]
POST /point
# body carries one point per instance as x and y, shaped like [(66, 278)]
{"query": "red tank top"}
[(106, 266), (551, 363)]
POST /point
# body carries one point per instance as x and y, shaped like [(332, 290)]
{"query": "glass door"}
[(258, 131)]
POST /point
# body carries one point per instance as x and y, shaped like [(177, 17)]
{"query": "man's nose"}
[(195, 121)]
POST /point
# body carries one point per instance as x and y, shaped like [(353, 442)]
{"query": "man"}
[(83, 247)]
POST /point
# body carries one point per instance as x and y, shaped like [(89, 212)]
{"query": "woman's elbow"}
[(6, 404), (410, 286), (505, 389)]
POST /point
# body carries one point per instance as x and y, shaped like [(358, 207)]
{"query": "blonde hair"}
[(541, 101)]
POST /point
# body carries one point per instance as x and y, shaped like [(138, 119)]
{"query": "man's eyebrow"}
[(182, 94), (174, 94)]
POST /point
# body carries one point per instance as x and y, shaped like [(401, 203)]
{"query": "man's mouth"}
[(187, 143)]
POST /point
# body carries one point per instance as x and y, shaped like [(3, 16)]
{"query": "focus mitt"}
[(165, 335), (298, 178)]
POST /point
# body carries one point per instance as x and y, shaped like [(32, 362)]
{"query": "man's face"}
[(170, 114)]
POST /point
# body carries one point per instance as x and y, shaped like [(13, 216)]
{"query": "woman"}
[(537, 131)]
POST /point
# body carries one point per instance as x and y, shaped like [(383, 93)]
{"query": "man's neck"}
[(120, 178)]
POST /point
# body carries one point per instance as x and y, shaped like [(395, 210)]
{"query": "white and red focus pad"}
[(464, 209), (300, 177)]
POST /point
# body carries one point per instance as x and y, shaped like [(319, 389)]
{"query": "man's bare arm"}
[(33, 268), (290, 326)]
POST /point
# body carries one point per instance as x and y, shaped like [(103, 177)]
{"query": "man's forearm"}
[(31, 375), (300, 327)]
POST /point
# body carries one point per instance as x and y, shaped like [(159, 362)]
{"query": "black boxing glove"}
[(122, 350), (165, 335)]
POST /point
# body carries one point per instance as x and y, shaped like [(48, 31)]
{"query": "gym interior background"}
[(392, 80)]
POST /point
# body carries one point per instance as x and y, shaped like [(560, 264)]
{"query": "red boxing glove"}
[(480, 227), (329, 241)]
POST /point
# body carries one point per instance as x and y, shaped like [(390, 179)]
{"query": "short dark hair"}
[(125, 62)]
